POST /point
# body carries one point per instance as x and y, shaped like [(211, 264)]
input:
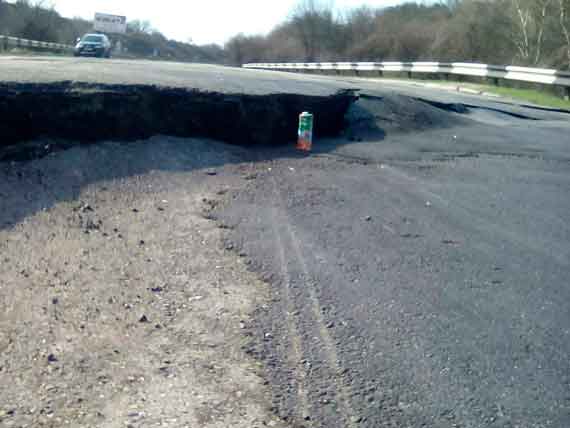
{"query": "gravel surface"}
[(120, 305)]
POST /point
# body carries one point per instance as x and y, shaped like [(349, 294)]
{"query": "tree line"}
[(35, 21), (38, 20), (522, 32)]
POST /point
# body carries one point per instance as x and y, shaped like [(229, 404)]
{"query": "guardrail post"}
[(409, 74), (380, 73)]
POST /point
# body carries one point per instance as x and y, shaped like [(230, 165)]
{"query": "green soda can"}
[(305, 140)]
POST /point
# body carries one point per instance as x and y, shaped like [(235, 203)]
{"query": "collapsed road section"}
[(92, 112)]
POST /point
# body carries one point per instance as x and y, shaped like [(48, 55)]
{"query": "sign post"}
[(106, 23)]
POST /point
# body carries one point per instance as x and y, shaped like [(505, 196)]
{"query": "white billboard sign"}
[(106, 23)]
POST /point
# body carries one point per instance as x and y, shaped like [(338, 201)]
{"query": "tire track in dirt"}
[(296, 353), (331, 358)]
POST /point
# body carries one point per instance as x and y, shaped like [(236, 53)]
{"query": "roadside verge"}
[(119, 304)]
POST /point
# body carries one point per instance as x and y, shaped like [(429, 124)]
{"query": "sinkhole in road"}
[(91, 112), (70, 113)]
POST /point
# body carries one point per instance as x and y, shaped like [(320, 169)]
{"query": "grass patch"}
[(530, 95), (536, 96), (533, 96)]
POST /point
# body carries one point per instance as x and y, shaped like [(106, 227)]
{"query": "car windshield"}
[(92, 39)]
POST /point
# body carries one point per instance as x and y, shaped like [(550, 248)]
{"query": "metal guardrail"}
[(524, 74), (7, 42)]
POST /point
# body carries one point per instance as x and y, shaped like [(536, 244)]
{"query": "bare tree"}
[(314, 22), (138, 26), (242, 49), (235, 48), (360, 23), (530, 18), (451, 4), (39, 20), (542, 9), (564, 10)]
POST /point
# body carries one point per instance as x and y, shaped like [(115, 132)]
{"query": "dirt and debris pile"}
[(371, 117)]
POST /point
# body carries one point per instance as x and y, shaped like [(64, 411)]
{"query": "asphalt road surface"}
[(419, 263), (161, 74)]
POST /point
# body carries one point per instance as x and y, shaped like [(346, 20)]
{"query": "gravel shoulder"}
[(119, 303)]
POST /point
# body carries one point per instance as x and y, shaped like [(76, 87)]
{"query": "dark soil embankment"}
[(87, 112), (372, 117)]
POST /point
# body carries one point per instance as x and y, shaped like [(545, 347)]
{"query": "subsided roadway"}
[(93, 99), (418, 266)]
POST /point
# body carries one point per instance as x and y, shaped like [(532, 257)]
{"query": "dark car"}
[(93, 45)]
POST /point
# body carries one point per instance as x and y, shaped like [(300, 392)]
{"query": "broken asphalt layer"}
[(94, 100), (88, 112)]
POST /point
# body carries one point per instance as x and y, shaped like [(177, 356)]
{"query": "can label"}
[(305, 140)]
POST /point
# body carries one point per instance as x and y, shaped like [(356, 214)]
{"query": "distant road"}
[(159, 73)]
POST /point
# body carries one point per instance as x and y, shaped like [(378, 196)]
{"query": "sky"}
[(202, 21)]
